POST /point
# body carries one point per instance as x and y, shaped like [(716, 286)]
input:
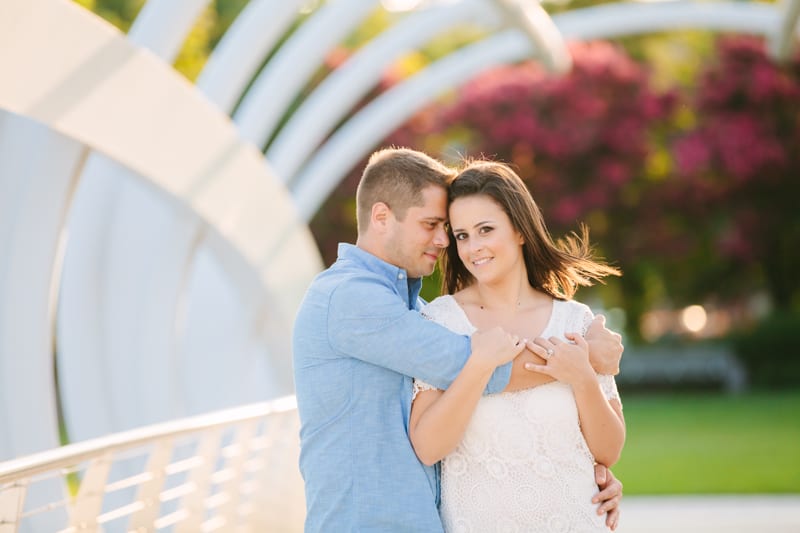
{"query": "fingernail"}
[(528, 366)]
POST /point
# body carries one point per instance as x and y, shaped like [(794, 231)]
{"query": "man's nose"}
[(441, 240)]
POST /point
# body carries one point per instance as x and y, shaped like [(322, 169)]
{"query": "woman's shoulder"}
[(574, 315), (445, 310), (574, 307)]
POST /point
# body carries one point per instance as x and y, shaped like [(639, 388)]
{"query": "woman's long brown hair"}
[(557, 268)]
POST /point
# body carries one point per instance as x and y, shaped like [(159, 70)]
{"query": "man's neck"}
[(371, 246)]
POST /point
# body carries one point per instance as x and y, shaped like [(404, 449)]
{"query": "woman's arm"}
[(602, 423), (439, 418)]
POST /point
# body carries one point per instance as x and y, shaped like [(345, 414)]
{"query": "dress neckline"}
[(548, 325)]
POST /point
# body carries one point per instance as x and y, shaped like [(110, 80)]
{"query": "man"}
[(358, 342)]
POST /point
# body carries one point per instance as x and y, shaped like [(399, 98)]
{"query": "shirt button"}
[(401, 276)]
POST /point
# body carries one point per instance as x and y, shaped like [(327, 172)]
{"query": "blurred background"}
[(681, 151)]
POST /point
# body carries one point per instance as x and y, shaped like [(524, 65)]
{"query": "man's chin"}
[(429, 271)]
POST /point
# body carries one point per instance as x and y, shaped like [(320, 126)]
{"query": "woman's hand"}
[(567, 362)]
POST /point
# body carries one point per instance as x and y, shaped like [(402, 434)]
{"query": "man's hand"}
[(494, 347), (605, 347), (609, 496)]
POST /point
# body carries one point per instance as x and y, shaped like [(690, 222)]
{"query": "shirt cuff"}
[(499, 380)]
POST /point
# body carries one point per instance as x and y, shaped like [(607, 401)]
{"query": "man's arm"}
[(381, 330)]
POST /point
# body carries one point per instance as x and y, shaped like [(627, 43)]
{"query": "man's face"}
[(415, 242)]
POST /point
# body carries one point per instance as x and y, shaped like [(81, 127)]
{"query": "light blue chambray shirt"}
[(358, 341)]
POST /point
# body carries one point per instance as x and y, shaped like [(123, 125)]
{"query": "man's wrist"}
[(603, 362)]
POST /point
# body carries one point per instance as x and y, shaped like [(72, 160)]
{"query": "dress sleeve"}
[(420, 386), (609, 386)]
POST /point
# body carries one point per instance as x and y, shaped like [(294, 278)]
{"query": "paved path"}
[(711, 514)]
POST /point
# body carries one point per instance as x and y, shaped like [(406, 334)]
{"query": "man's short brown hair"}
[(397, 177)]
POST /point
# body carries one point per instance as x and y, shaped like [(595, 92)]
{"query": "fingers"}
[(613, 489), (542, 369), (519, 344), (608, 506), (601, 319), (547, 346), (577, 339), (600, 474), (612, 519), (536, 348)]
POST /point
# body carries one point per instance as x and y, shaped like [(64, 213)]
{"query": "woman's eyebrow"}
[(481, 223)]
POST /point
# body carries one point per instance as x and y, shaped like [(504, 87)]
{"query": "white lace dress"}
[(523, 464)]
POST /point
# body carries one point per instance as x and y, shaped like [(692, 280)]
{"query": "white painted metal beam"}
[(35, 193), (163, 25), (279, 83), (636, 18), (37, 174), (384, 114), (782, 42), (329, 104), (241, 51), (73, 78), (530, 17)]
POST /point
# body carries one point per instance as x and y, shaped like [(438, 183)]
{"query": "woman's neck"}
[(510, 293)]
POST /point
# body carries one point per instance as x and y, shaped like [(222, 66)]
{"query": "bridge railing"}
[(232, 470)]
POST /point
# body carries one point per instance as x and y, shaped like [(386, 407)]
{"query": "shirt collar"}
[(350, 252)]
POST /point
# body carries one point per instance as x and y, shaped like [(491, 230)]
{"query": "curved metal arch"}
[(35, 199), (281, 80), (783, 40), (536, 23), (345, 86), (171, 138), (384, 114), (137, 322), (353, 140), (162, 25), (241, 51), (634, 18)]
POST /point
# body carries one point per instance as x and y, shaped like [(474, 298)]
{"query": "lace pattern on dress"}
[(420, 386), (523, 463)]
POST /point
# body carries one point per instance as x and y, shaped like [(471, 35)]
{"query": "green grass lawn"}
[(685, 443)]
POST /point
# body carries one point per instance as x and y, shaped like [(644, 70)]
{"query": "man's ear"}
[(379, 217)]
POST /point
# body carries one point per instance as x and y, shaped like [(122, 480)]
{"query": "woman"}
[(517, 461)]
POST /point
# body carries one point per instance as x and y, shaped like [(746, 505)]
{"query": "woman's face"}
[(487, 242)]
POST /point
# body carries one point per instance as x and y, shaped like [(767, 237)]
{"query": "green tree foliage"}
[(737, 171)]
